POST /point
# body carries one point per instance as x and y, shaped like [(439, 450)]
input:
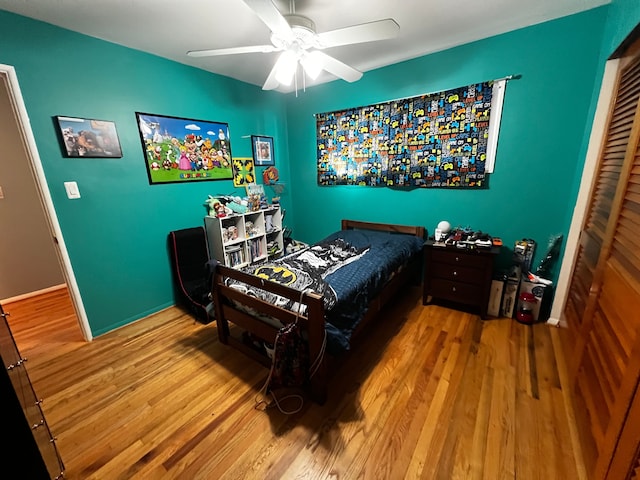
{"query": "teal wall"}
[(622, 17), (116, 233), (545, 116)]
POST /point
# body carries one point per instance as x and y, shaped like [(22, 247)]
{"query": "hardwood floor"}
[(429, 393)]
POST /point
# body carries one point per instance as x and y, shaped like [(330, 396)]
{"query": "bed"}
[(333, 289)]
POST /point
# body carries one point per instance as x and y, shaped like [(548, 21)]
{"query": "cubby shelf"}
[(241, 239)]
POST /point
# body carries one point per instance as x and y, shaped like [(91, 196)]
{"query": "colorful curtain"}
[(434, 140)]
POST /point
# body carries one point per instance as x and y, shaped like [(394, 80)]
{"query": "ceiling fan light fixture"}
[(312, 64), (295, 36), (286, 67)]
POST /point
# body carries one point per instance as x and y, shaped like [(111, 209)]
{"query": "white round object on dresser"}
[(442, 230), (444, 226)]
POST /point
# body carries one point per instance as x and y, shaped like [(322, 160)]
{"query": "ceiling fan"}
[(295, 36)]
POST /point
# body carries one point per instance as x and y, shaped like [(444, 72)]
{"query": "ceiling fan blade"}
[(271, 16), (336, 67), (365, 32), (271, 82), (232, 51)]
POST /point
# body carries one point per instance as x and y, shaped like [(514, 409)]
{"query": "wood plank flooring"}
[(429, 393)]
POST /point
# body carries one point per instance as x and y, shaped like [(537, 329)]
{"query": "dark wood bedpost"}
[(221, 322), (317, 332)]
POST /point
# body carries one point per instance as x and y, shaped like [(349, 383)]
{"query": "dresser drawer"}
[(458, 273), (460, 258), (456, 291)]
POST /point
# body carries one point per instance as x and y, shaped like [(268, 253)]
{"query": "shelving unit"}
[(241, 239)]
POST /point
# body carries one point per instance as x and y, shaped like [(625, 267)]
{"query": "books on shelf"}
[(234, 255), (255, 249)]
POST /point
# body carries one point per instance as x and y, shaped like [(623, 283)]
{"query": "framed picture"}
[(86, 137), (178, 150), (263, 155)]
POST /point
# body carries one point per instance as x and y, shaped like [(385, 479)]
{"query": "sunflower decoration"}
[(243, 172)]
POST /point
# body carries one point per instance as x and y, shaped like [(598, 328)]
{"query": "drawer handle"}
[(453, 289), (457, 259), (455, 274)]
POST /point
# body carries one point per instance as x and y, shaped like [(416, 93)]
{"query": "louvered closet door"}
[(606, 184), (603, 306), (626, 461), (613, 347)]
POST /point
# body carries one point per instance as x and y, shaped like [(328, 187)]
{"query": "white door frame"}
[(24, 125), (596, 140)]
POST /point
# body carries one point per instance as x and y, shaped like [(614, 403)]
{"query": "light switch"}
[(72, 190), (1, 193)]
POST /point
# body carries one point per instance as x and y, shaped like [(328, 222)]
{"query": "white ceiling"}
[(169, 28)]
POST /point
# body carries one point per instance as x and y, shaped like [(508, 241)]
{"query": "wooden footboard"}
[(233, 306), (228, 299)]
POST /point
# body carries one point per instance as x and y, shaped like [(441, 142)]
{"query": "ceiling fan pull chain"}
[(304, 80)]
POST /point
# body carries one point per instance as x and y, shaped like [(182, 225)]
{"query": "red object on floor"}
[(525, 310)]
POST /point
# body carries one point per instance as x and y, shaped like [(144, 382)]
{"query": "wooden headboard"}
[(385, 227)]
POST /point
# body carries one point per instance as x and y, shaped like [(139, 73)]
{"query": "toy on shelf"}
[(253, 203), (223, 205), (216, 208)]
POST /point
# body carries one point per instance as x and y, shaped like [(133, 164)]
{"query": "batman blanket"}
[(303, 270)]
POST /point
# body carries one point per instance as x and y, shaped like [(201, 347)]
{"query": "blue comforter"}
[(357, 283)]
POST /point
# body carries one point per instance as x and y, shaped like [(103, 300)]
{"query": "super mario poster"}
[(184, 150), (433, 140)]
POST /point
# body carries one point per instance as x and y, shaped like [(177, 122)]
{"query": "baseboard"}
[(554, 322), (24, 296)]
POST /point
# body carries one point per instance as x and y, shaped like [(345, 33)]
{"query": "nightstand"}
[(459, 275)]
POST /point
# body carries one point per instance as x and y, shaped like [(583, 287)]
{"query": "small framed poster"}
[(86, 137), (263, 155)]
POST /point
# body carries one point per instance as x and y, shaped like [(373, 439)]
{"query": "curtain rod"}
[(509, 77), (506, 78)]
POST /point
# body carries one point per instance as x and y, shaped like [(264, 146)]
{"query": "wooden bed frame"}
[(313, 322)]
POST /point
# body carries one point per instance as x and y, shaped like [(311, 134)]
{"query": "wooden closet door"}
[(626, 460), (604, 295), (606, 181)]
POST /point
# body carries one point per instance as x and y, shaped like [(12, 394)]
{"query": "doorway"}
[(34, 218)]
